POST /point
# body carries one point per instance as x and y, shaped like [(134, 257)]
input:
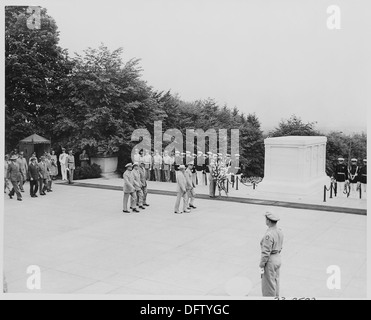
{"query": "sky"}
[(273, 58)]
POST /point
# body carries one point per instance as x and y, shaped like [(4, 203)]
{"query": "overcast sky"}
[(274, 58)]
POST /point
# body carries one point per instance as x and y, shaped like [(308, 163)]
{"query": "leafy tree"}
[(35, 69), (294, 127)]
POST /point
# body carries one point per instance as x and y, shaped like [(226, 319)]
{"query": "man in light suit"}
[(181, 190), (63, 161), (43, 176), (138, 185), (142, 174), (14, 175), (23, 169), (190, 186), (129, 189)]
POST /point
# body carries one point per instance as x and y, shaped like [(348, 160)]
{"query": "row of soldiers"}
[(162, 166), (40, 174), (352, 175)]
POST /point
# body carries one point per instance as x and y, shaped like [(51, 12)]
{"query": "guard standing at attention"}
[(363, 176), (353, 174), (340, 175), (270, 262)]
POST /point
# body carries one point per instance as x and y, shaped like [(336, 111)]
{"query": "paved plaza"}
[(84, 244)]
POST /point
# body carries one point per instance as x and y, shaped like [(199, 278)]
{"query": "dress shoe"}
[(10, 196), (177, 212), (187, 211), (147, 205), (22, 190), (19, 199), (193, 207), (141, 207), (136, 210), (35, 196), (125, 211)]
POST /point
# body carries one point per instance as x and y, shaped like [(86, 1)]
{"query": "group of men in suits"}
[(163, 166), (352, 175)]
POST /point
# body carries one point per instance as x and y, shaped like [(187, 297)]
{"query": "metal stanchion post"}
[(253, 185), (331, 186), (237, 183), (324, 193), (360, 191), (227, 185)]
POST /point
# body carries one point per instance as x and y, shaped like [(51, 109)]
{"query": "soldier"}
[(70, 166), (14, 175), (211, 179), (353, 174), (84, 158), (142, 173), (190, 186), (363, 176), (43, 176), (181, 190), (129, 189), (270, 262), (138, 185), (340, 176), (63, 162), (33, 173), (157, 166), (23, 169), (148, 163)]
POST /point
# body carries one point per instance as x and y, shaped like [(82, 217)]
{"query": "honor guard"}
[(353, 174), (270, 262), (200, 168), (363, 176), (340, 175)]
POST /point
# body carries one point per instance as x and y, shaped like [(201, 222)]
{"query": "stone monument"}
[(295, 165)]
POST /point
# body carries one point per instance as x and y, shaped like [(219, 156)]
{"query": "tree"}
[(35, 70), (294, 127)]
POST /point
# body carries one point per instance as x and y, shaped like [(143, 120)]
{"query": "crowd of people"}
[(39, 171)]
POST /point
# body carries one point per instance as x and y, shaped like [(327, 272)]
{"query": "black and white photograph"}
[(183, 149)]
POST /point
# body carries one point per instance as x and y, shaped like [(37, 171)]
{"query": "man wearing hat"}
[(129, 189), (362, 176), (14, 175), (33, 174), (138, 185), (270, 262), (23, 169), (353, 174), (63, 162), (190, 186), (148, 164), (340, 176), (181, 190)]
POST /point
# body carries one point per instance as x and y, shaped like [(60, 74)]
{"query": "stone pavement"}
[(84, 244)]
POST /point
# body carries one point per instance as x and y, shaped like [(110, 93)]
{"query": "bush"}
[(87, 172)]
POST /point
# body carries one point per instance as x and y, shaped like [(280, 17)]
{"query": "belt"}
[(341, 173), (275, 252)]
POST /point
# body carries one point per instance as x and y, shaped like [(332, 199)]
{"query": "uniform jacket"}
[(341, 173), (363, 174), (13, 173), (353, 173), (71, 162), (128, 182), (23, 167), (33, 171), (271, 244), (189, 181), (181, 182), (43, 170)]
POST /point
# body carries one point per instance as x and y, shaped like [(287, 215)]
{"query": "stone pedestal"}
[(295, 165)]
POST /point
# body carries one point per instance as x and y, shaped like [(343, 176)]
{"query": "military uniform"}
[(363, 176), (271, 246), (181, 190), (129, 190), (138, 186), (190, 186), (340, 175), (14, 175), (157, 160), (353, 174)]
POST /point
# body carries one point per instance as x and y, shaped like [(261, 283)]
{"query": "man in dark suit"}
[(33, 174), (14, 175)]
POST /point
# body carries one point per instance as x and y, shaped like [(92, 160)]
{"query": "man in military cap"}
[(14, 175), (363, 176), (340, 176), (270, 262), (200, 167), (138, 185), (142, 174), (353, 174), (190, 186), (129, 189)]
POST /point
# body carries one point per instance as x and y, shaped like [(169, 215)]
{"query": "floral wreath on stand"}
[(219, 174)]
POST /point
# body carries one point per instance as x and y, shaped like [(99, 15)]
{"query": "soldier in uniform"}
[(138, 185), (14, 175), (181, 190), (142, 174), (84, 158), (157, 160), (270, 262), (363, 176), (43, 176), (200, 168), (70, 166), (23, 169), (129, 189), (33, 172), (340, 176), (353, 174), (148, 164)]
